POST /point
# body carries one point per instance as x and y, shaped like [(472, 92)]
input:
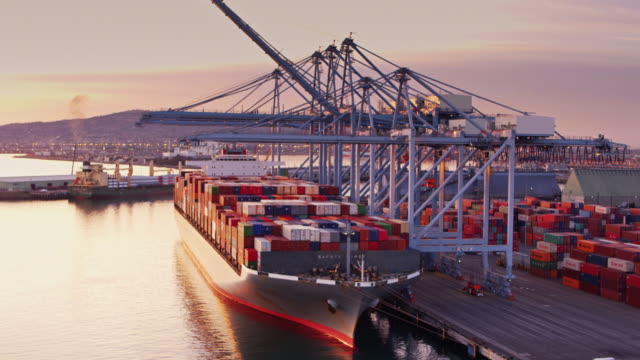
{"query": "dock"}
[(546, 320), (50, 195)]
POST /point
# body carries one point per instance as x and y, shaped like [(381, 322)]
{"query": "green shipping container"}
[(554, 238), (543, 265), (245, 229), (385, 226)]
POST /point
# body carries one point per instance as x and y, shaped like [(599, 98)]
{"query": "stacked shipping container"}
[(244, 217)]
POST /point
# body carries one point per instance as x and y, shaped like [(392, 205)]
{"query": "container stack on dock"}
[(249, 216), (472, 222), (604, 267)]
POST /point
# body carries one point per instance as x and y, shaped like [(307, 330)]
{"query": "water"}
[(110, 280)]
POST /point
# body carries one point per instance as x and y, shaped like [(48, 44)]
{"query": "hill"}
[(117, 127)]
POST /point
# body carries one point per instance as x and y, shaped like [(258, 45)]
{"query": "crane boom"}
[(275, 55)]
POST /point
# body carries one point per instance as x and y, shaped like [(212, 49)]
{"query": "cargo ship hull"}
[(284, 296), (103, 192)]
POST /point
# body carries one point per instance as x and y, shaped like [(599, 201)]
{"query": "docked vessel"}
[(285, 247), (234, 162), (93, 182)]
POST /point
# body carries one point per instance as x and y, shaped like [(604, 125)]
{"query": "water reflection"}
[(223, 329), (207, 318), (379, 336)]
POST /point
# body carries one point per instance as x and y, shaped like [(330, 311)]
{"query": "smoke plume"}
[(76, 106)]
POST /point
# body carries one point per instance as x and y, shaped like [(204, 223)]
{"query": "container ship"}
[(93, 182), (293, 249)]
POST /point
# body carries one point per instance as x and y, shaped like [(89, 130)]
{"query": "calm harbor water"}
[(110, 280)]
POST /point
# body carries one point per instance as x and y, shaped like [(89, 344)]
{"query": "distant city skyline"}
[(578, 60)]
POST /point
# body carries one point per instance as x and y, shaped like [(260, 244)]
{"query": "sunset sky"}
[(578, 60)]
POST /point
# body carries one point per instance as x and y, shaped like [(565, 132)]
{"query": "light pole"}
[(349, 234)]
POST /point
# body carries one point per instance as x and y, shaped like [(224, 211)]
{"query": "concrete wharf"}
[(546, 320)]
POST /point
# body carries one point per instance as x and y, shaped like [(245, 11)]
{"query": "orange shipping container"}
[(587, 245), (570, 282), (542, 255)]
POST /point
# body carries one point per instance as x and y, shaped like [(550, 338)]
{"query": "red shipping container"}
[(325, 246), (637, 268), (614, 295), (593, 289), (633, 280), (608, 250), (364, 245), (250, 255), (617, 229), (633, 296), (612, 284), (306, 245), (630, 235), (570, 273), (590, 269), (629, 254), (612, 274), (373, 245), (579, 255)]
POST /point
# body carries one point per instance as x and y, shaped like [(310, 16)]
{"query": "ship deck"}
[(545, 321)]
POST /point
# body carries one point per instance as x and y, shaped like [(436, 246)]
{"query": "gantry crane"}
[(400, 128)]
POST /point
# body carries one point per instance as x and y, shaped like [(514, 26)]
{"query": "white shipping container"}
[(572, 264), (523, 217), (325, 236), (528, 125), (602, 210), (315, 234), (547, 246), (619, 264), (262, 245)]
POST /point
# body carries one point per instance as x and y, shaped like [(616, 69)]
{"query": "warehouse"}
[(610, 187), (29, 183)]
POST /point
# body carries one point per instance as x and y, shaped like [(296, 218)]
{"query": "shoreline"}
[(61, 158)]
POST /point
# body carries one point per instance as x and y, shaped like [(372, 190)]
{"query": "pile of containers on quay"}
[(568, 243), (245, 217), (472, 221)]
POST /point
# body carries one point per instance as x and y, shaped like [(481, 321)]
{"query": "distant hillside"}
[(117, 127)]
